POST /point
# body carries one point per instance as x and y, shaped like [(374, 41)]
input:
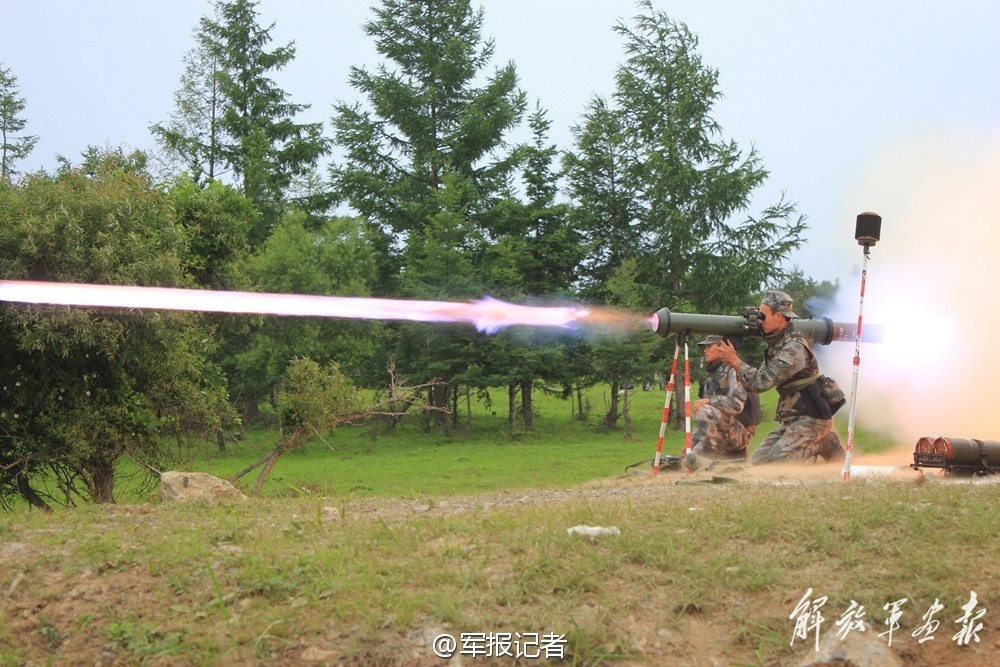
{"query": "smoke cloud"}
[(932, 282)]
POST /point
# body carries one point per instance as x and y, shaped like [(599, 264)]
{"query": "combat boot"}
[(830, 449)]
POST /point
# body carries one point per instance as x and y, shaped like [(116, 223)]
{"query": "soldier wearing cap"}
[(789, 365), (718, 433)]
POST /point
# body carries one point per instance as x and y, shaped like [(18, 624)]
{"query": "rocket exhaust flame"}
[(488, 315)]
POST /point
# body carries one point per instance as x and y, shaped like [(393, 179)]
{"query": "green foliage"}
[(606, 200), (655, 182), (230, 113), (533, 258), (216, 220), (12, 146), (427, 162), (441, 260), (427, 126), (335, 260), (81, 387), (194, 135), (316, 398), (535, 250), (812, 298), (71, 228)]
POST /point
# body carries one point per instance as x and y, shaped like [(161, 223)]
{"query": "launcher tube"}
[(823, 331)]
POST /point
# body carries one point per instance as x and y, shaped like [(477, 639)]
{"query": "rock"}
[(13, 549), (14, 584), (855, 650), (314, 654), (181, 486)]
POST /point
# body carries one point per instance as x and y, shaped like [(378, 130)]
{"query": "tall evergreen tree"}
[(654, 158), (13, 145), (194, 135), (606, 198), (426, 159), (534, 255), (535, 233), (426, 118), (231, 114)]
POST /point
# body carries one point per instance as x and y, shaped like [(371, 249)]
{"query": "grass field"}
[(362, 552), (561, 450)]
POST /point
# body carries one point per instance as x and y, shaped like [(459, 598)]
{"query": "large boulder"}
[(180, 486)]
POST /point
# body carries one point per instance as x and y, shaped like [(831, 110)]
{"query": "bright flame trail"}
[(487, 314)]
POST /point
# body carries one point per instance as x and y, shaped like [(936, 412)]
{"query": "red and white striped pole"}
[(687, 400), (666, 412), (867, 232)]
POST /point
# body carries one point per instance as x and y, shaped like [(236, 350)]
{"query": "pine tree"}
[(534, 255), (426, 162), (662, 200), (194, 135), (656, 182), (12, 146), (426, 121), (232, 116)]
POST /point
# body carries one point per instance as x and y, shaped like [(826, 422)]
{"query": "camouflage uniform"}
[(716, 433), (789, 360)]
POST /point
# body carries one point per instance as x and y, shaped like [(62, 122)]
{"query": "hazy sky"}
[(890, 106), (822, 89)]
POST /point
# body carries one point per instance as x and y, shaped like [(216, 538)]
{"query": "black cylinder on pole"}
[(868, 228)]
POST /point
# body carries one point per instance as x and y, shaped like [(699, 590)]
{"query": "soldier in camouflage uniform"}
[(789, 365), (717, 433)]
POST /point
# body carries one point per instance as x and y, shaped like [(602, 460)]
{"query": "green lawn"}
[(407, 461)]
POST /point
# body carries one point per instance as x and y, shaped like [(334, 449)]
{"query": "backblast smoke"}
[(936, 290)]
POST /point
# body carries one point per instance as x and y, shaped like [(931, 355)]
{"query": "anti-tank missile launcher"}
[(747, 324)]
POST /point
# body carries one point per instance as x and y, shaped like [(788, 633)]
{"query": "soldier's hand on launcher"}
[(728, 354)]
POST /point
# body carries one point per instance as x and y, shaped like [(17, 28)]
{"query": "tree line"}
[(431, 199)]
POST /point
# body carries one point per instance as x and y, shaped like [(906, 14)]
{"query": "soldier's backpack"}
[(751, 415)]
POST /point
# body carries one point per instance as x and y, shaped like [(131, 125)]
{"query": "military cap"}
[(711, 340), (779, 302)]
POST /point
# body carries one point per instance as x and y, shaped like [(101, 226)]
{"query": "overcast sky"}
[(822, 89)]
